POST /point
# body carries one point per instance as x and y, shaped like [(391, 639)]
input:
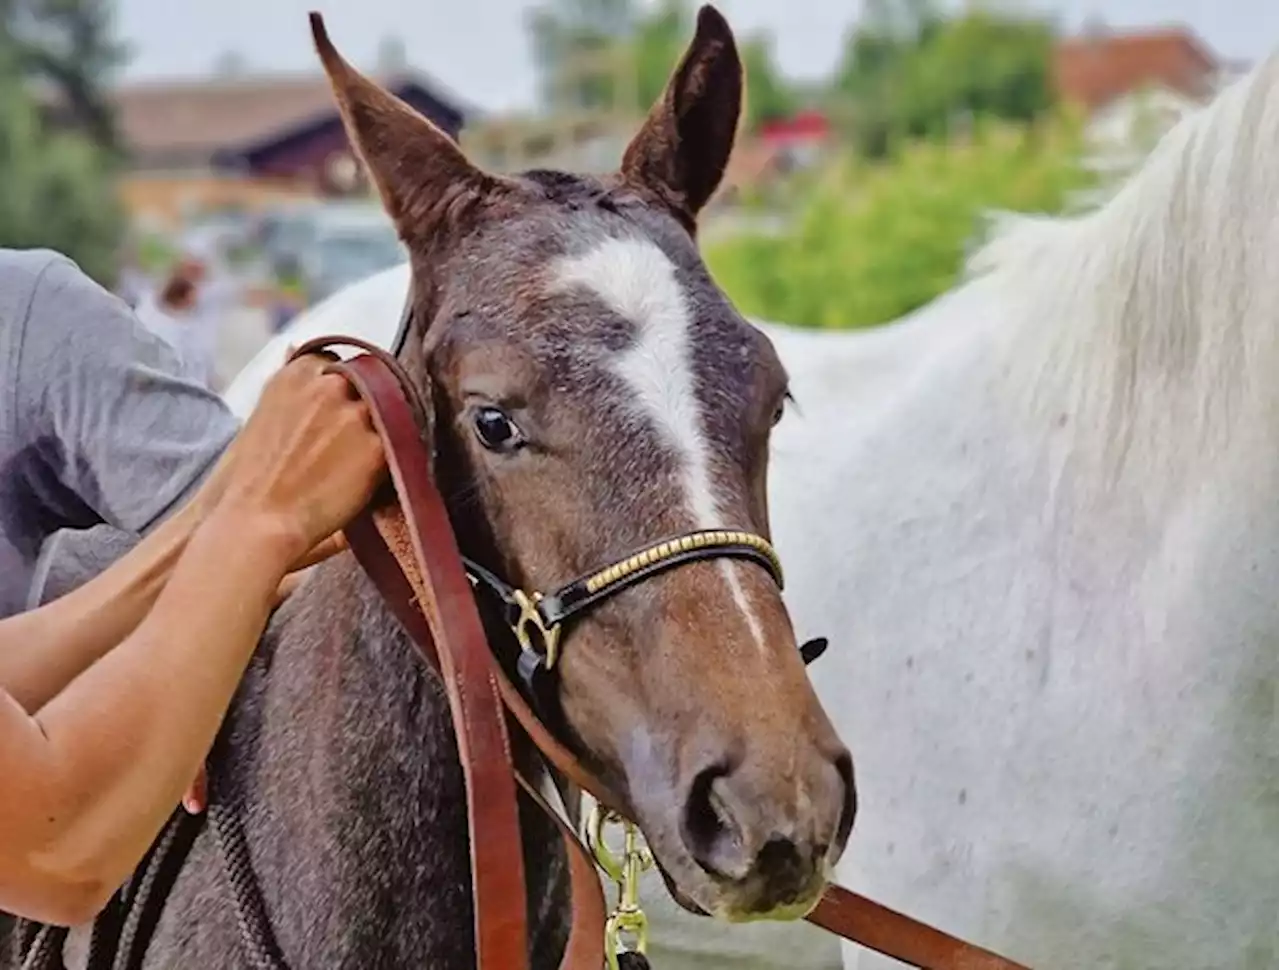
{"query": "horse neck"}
[(1149, 326), (354, 804)]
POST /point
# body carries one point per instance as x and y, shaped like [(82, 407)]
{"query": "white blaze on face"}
[(636, 280)]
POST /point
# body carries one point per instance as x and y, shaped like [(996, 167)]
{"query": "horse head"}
[(592, 393)]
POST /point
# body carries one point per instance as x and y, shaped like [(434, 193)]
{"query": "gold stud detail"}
[(686, 543)]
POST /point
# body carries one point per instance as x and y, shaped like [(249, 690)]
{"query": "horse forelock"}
[(1151, 321)]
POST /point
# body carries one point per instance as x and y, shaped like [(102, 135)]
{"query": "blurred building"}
[(241, 141), (1133, 87), (571, 133), (577, 141), (799, 140)]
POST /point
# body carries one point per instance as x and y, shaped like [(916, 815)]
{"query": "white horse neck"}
[(1153, 320)]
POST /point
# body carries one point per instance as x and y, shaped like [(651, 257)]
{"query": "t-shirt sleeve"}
[(130, 436)]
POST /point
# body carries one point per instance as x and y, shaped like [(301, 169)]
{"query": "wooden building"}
[(244, 141)]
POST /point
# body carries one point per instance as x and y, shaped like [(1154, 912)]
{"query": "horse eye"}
[(781, 409), (496, 431)]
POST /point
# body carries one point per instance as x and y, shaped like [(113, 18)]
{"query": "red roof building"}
[(1094, 69)]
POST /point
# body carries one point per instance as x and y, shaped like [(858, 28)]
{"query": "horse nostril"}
[(740, 825), (849, 807), (709, 830), (784, 870)]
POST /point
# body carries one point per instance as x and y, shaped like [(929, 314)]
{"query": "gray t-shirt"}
[(95, 426)]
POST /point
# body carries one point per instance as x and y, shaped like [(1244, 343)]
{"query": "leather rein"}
[(407, 547)]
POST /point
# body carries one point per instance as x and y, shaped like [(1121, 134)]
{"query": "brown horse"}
[(592, 392)]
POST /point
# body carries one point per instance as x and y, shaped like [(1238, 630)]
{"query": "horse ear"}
[(418, 170), (681, 151)]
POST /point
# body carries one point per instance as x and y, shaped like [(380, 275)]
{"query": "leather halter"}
[(410, 553), (545, 614)]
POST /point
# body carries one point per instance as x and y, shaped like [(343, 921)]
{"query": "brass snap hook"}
[(627, 929)]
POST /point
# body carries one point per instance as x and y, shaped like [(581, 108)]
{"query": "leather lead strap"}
[(409, 552), (467, 669), (867, 923)]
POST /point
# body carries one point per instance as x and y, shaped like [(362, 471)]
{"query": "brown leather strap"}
[(387, 547), (410, 553), (372, 538), (443, 595), (585, 947), (887, 931)]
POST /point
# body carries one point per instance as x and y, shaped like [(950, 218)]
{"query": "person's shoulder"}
[(44, 281), (64, 305), (30, 264), (59, 274), (22, 272)]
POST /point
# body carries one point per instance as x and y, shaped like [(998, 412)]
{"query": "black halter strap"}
[(538, 619)]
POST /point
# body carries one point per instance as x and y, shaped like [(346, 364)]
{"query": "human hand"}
[(196, 798), (306, 461)]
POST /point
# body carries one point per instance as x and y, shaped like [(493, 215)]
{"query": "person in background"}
[(219, 294), (170, 314)]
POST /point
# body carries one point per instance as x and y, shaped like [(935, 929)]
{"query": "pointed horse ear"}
[(680, 153), (422, 176)]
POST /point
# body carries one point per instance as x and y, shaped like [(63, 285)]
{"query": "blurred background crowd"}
[(217, 192)]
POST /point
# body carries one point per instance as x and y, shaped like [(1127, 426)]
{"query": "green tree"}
[(769, 96), (910, 71), (875, 241), (887, 35), (631, 53), (69, 47), (59, 191), (562, 33), (655, 46)]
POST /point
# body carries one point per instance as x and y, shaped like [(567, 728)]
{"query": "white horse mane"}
[(1152, 321)]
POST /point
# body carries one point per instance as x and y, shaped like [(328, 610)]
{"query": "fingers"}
[(331, 546), (287, 586), (196, 798), (309, 457)]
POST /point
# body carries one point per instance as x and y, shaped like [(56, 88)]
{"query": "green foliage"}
[(655, 47), (908, 71), (769, 97), (618, 38), (70, 48), (563, 31), (154, 253), (58, 190), (875, 241)]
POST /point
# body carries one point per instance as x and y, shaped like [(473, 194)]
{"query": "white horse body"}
[(1038, 520)]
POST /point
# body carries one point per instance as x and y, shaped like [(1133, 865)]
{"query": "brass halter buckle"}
[(530, 615), (627, 929)]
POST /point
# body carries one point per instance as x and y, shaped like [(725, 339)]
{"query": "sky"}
[(479, 49)]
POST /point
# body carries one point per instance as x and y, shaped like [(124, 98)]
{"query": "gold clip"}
[(627, 929), (529, 614)]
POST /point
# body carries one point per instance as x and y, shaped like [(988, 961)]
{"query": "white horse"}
[(1038, 519)]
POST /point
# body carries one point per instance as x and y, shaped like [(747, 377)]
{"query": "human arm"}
[(45, 649), (130, 438), (91, 776)]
